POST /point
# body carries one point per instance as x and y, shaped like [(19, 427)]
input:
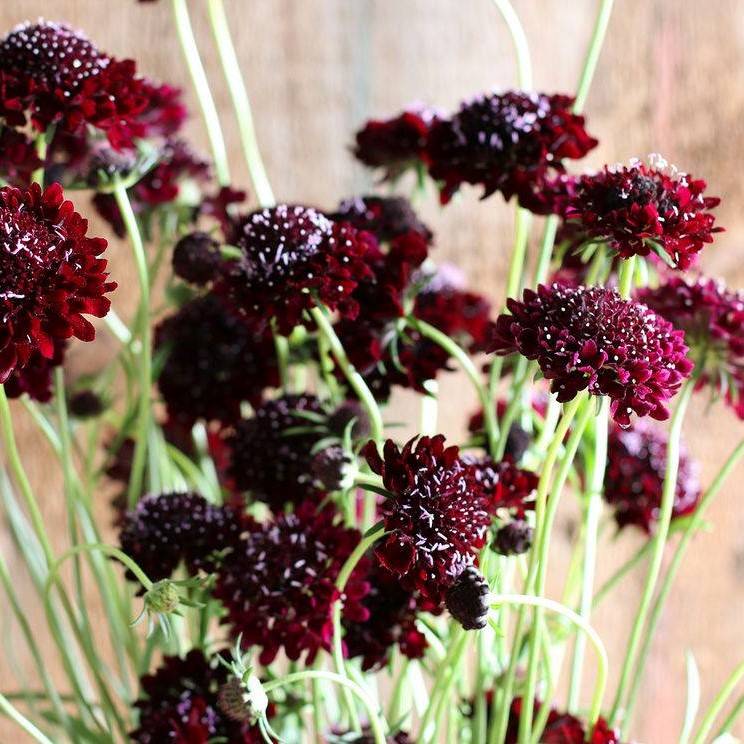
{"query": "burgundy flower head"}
[(635, 209), (712, 317), (18, 157), (394, 145), (165, 113), (392, 613), (634, 479), (291, 257), (179, 703), (196, 258), (213, 362), (591, 339), (437, 518), (55, 75), (51, 275), (279, 583), (509, 488), (512, 142), (163, 531), (271, 461), (35, 378), (386, 217)]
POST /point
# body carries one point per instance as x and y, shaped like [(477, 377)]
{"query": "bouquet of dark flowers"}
[(301, 575)]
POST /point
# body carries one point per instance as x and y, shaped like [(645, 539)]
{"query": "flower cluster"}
[(591, 339)]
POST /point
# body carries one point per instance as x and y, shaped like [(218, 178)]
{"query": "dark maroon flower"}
[(514, 538), (55, 75), (18, 157), (348, 411), (165, 113), (221, 206), (591, 339), (50, 275), (386, 217), (437, 517), (271, 461), (35, 378), (278, 585), (329, 466), (163, 531), (712, 317), (392, 621), (293, 257), (512, 142), (396, 144), (212, 362), (634, 479), (86, 404), (561, 728), (179, 703), (638, 208), (196, 258), (509, 488), (467, 599)]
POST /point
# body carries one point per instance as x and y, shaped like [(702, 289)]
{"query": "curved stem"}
[(657, 551), (593, 511), (519, 39), (145, 366), (377, 725), (692, 528), (203, 93), (717, 705), (731, 718), (241, 103), (22, 721)]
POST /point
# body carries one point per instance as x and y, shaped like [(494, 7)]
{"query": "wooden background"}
[(670, 80)]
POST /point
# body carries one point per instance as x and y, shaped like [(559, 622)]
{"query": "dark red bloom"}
[(329, 466), (163, 531), (509, 488), (279, 583), (293, 257), (55, 75), (561, 728), (213, 362), (196, 258), (712, 317), (437, 518), (386, 217), (179, 703), (392, 621), (634, 479), (591, 339), (634, 209), (467, 599), (396, 144), (50, 275), (514, 538), (512, 142), (165, 113), (86, 404), (18, 157), (35, 378), (271, 461)]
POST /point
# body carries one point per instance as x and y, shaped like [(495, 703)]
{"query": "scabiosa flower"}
[(18, 157), (467, 599), (196, 258), (85, 404), (509, 488), (165, 113), (514, 538), (634, 479), (279, 583), (386, 217), (392, 613), (164, 530), (394, 145), (437, 518), (712, 317), (641, 207), (35, 378), (349, 411), (512, 142), (293, 257), (213, 362), (55, 75), (51, 274), (271, 461), (180, 703), (589, 338)]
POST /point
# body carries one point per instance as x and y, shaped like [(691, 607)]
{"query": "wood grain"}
[(671, 79)]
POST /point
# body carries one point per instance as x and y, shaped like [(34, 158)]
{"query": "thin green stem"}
[(657, 551), (625, 280), (691, 530), (622, 572), (592, 56), (519, 39), (730, 719), (203, 92), (717, 705), (241, 102), (41, 150), (145, 366), (591, 528), (10, 711)]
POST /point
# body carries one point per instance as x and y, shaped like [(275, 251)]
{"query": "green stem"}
[(519, 39), (10, 711), (731, 718), (355, 380), (657, 551), (449, 675), (692, 528), (621, 572), (717, 705), (625, 280), (41, 150), (592, 55), (203, 92), (145, 366), (546, 249), (241, 103), (593, 511)]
